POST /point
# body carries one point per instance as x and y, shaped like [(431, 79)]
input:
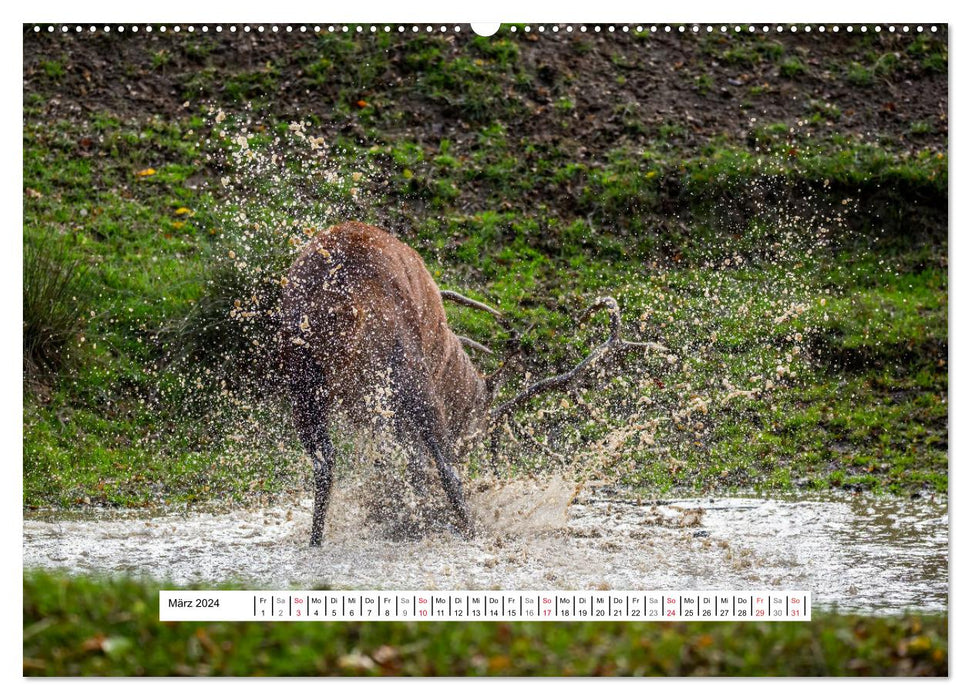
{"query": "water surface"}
[(860, 553)]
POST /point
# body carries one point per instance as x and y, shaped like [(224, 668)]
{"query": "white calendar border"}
[(382, 10)]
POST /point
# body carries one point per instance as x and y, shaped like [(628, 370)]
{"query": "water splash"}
[(740, 320), (856, 553)]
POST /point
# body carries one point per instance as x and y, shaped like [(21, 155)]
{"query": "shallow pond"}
[(855, 552)]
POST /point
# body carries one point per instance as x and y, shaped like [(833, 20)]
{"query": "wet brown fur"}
[(362, 317)]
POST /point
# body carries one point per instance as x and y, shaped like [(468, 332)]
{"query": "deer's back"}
[(362, 305)]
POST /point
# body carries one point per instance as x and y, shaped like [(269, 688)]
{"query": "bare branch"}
[(609, 349), (469, 343), (513, 344), (448, 295)]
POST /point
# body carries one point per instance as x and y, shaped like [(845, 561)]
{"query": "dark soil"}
[(624, 87)]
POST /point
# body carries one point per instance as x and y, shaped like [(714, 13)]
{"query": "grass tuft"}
[(54, 309)]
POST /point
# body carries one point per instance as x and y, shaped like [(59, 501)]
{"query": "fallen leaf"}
[(499, 663), (384, 654), (356, 661), (919, 645), (93, 643), (115, 647), (147, 172)]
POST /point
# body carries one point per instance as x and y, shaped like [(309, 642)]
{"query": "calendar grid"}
[(495, 606)]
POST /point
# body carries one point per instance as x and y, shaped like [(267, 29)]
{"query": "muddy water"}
[(855, 553)]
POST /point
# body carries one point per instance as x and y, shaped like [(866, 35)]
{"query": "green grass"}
[(53, 311), (791, 67), (539, 227), (54, 70), (704, 83), (931, 52), (859, 75), (921, 128), (825, 110), (881, 322), (80, 626)]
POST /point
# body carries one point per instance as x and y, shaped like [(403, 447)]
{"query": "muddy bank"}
[(857, 553), (712, 84)]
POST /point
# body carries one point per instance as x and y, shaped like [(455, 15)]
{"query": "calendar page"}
[(585, 348)]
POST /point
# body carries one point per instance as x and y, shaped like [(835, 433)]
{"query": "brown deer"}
[(364, 334)]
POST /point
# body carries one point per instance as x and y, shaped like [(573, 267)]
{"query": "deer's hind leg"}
[(429, 443), (453, 487), (426, 422), (323, 460), (313, 427), (430, 431)]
